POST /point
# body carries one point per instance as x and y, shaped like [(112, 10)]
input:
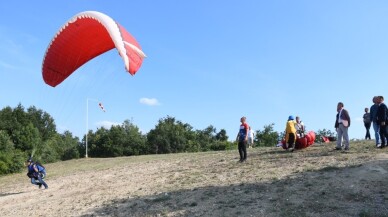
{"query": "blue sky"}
[(208, 63)]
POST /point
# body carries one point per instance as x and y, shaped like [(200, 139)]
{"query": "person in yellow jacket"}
[(290, 133)]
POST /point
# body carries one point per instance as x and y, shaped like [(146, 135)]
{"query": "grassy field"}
[(316, 181)]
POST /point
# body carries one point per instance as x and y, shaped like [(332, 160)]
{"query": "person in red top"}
[(242, 138)]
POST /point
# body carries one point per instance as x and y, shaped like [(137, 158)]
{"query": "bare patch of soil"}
[(316, 181)]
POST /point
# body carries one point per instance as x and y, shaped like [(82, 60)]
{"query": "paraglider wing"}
[(83, 37)]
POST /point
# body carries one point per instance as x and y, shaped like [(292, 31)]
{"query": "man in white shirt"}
[(342, 123), (299, 126)]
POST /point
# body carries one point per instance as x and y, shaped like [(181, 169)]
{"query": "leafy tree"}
[(267, 137), (134, 143), (69, 146), (48, 151), (169, 136), (6, 144), (42, 121), (102, 145), (7, 121), (20, 115), (28, 138), (58, 147), (10, 158), (221, 136), (119, 140), (219, 145), (206, 137), (12, 162), (282, 135), (24, 134)]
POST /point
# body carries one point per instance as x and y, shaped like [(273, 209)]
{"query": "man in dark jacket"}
[(342, 123), (37, 173), (367, 123), (373, 115), (382, 121)]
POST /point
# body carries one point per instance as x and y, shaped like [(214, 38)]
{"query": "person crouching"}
[(37, 173)]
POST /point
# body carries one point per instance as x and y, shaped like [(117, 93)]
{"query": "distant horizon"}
[(109, 125)]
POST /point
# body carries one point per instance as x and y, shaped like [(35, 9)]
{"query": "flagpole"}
[(87, 125)]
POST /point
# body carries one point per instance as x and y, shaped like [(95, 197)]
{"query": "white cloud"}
[(106, 124), (149, 101)]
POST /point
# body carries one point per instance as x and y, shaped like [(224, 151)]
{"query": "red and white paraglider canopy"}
[(83, 37)]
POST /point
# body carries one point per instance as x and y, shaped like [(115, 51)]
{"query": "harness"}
[(33, 174)]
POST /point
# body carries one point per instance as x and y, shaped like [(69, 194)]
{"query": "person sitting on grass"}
[(299, 126)]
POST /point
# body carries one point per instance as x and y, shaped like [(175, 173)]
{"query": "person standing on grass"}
[(382, 121), (367, 123), (290, 134), (342, 124), (373, 116), (251, 135), (242, 138)]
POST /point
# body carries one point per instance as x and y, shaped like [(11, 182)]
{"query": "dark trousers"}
[(39, 180), (367, 127), (383, 135), (291, 140), (242, 149)]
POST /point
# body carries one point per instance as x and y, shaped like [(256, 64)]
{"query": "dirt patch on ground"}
[(316, 181)]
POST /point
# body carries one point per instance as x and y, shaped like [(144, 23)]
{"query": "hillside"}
[(316, 181)]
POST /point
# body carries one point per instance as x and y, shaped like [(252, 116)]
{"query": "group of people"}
[(294, 129), (378, 118)]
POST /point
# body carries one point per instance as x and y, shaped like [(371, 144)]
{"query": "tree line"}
[(32, 132)]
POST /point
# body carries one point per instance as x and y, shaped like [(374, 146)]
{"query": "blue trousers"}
[(39, 181), (376, 128)]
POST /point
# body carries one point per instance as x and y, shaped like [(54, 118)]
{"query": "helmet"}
[(290, 117), (29, 160)]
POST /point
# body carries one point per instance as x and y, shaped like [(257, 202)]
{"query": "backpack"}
[(40, 167)]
